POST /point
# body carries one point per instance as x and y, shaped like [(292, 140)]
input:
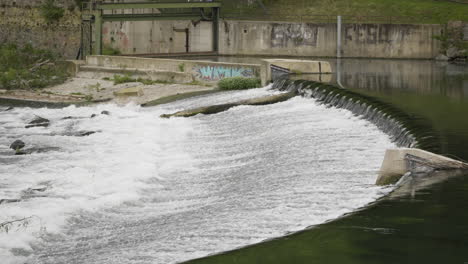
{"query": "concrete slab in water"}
[(397, 162), (131, 91), (297, 66)]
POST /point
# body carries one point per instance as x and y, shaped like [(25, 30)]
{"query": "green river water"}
[(430, 226)]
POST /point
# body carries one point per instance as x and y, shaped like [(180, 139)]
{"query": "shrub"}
[(238, 83), (181, 67), (118, 79), (51, 12), (110, 51), (79, 3), (28, 68)]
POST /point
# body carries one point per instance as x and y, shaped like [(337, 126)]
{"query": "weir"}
[(415, 141), (389, 119)]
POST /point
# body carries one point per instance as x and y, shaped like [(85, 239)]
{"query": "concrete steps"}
[(98, 72)]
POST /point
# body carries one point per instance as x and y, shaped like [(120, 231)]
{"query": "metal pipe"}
[(338, 37)]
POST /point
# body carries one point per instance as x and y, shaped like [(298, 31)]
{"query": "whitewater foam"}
[(150, 190)]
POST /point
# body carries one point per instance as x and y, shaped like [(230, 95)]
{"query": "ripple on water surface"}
[(151, 190)]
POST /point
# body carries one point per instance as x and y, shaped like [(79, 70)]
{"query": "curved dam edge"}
[(409, 159)]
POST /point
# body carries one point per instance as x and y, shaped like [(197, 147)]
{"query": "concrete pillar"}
[(216, 29), (98, 32)]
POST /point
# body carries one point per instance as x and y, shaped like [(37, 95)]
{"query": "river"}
[(149, 190)]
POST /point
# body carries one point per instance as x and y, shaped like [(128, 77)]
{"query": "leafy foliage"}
[(110, 51), (79, 3), (238, 83), (452, 37), (51, 12), (28, 68)]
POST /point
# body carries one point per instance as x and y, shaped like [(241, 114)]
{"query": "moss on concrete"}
[(214, 109), (180, 96)]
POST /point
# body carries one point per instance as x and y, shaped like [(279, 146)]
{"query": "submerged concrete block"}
[(317, 68), (131, 91), (397, 162)]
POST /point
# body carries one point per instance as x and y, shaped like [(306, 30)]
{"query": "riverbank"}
[(89, 90)]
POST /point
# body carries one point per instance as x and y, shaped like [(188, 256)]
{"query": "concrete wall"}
[(205, 71), (304, 39), (277, 38), (395, 163), (158, 36), (21, 22)]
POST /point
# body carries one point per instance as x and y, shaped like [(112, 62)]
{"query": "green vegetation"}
[(51, 12), (375, 11), (181, 96), (110, 51), (198, 83), (88, 98), (239, 83), (28, 68), (96, 87), (182, 67), (452, 38), (79, 3), (118, 79)]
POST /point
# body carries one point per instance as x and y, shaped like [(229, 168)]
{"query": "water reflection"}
[(390, 77)]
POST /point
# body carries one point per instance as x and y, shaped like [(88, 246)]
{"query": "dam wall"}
[(21, 22), (307, 39), (275, 39)]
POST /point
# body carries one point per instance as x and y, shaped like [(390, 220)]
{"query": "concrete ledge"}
[(203, 71), (101, 72), (131, 91), (296, 66), (72, 66), (214, 109), (397, 162)]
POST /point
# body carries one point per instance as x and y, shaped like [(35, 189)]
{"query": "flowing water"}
[(428, 225), (149, 190)]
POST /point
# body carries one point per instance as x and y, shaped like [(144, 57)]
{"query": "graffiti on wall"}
[(375, 34), (298, 34), (218, 72)]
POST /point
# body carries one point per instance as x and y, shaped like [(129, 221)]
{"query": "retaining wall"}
[(276, 38), (170, 36), (305, 39), (205, 71), (21, 23)]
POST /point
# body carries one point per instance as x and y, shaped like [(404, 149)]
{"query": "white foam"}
[(84, 173), (152, 190)]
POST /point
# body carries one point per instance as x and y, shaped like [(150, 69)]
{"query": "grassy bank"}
[(378, 11), (28, 68)]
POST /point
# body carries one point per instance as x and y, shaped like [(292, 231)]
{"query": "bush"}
[(110, 51), (28, 68), (51, 12), (239, 83), (118, 79)]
